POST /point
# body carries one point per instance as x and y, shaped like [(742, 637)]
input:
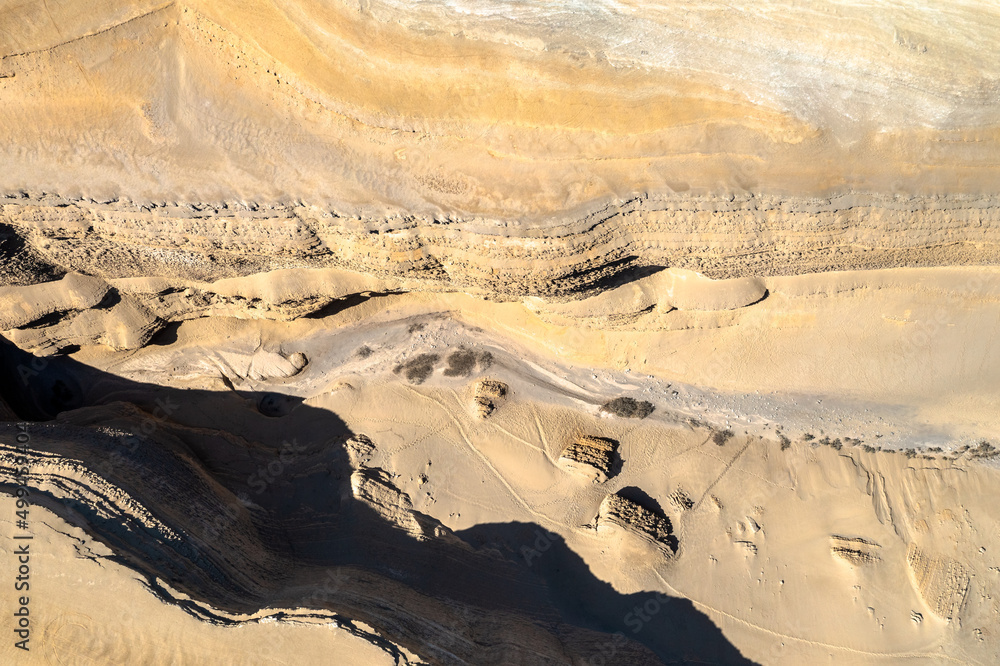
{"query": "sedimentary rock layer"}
[(721, 238)]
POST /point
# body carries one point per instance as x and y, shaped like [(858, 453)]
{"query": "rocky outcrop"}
[(592, 457), (941, 581), (360, 449), (487, 396), (619, 515), (375, 488), (719, 238), (855, 550)]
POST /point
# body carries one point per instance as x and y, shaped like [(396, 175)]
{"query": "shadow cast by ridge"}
[(242, 507), (671, 627)]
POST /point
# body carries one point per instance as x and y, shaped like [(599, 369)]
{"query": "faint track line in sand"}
[(48, 13), (724, 471), (749, 473), (466, 500), (382, 419), (418, 440), (807, 641), (522, 440), (100, 31), (541, 434), (690, 448), (486, 461), (499, 427), (430, 430)]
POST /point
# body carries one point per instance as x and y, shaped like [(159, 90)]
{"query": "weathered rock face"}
[(720, 237), (942, 582), (857, 551), (591, 456), (375, 488), (359, 450), (487, 395), (619, 515)]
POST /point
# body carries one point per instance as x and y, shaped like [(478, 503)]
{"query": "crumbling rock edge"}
[(720, 237)]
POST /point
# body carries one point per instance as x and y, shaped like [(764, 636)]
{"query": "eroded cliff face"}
[(720, 238), (510, 332), (503, 149)]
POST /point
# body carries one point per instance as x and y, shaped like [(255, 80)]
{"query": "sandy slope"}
[(812, 435), (89, 609), (317, 313), (904, 357), (899, 548), (500, 109)]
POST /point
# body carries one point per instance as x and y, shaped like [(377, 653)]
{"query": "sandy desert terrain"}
[(499, 332)]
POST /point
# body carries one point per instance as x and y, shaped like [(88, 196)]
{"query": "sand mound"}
[(674, 288), (126, 325), (23, 305), (260, 365), (590, 456), (687, 290)]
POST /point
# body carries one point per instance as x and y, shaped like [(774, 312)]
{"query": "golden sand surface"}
[(499, 109), (88, 609), (500, 332)]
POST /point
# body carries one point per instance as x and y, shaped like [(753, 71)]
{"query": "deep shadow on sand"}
[(260, 540)]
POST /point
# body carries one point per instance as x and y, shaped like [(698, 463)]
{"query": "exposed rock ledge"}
[(719, 237)]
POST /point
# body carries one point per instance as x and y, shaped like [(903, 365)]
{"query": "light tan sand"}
[(757, 546), (87, 609), (407, 253), (799, 555), (494, 115)]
